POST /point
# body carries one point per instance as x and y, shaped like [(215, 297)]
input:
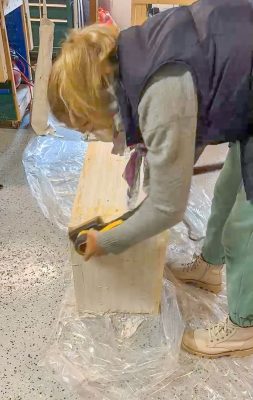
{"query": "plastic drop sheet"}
[(53, 165), (121, 357), (138, 357), (199, 378), (117, 357)]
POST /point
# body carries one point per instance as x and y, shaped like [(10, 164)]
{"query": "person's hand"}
[(92, 248)]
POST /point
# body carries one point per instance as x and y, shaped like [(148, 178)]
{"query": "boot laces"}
[(220, 331), (193, 265)]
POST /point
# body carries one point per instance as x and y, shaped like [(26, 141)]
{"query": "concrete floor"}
[(34, 257)]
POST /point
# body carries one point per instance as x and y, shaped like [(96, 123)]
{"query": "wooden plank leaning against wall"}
[(3, 65)]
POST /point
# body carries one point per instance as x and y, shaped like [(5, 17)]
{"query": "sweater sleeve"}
[(168, 116)]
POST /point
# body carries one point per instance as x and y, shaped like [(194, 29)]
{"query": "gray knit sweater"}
[(168, 117)]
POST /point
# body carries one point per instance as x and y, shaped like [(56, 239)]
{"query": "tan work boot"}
[(222, 339), (201, 274)]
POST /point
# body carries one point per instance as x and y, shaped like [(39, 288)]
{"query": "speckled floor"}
[(34, 257)]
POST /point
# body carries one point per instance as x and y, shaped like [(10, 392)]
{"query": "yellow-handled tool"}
[(79, 235)]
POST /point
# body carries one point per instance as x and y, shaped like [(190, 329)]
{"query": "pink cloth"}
[(132, 174)]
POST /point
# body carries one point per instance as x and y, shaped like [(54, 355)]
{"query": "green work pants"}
[(229, 238)]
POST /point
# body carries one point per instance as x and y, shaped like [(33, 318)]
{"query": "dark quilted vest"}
[(214, 39)]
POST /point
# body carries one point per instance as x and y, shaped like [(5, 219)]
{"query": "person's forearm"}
[(145, 223)]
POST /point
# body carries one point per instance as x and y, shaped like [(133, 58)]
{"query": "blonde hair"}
[(80, 75)]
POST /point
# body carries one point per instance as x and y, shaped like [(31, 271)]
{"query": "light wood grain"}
[(28, 25), (101, 190), (3, 67), (132, 281)]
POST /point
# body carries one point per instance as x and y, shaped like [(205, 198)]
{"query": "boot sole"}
[(235, 353), (205, 286)]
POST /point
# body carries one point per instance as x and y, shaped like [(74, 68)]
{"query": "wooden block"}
[(130, 282)]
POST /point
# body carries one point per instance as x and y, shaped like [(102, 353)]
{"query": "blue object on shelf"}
[(5, 91), (16, 35)]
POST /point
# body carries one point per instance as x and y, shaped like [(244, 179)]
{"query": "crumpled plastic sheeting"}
[(186, 238), (192, 377), (197, 213), (117, 357), (203, 379), (109, 358), (53, 165), (89, 354)]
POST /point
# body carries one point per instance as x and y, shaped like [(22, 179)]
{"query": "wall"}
[(121, 11)]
